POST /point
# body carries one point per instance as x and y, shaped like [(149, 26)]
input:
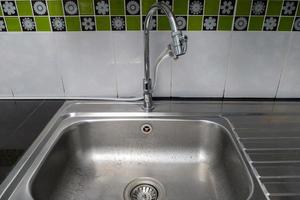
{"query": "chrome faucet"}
[(177, 48)]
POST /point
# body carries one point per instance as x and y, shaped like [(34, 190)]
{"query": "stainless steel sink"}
[(134, 156)]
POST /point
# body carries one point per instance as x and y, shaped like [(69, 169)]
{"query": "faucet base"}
[(148, 109), (148, 103)]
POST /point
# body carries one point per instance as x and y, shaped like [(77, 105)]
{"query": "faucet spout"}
[(178, 47)]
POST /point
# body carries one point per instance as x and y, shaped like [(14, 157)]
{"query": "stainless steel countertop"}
[(269, 133), (21, 121), (272, 143)]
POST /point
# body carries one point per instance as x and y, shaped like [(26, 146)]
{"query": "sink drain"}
[(146, 129), (144, 188), (144, 192)]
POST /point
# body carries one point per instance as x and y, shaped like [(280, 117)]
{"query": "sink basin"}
[(116, 151), (191, 159)]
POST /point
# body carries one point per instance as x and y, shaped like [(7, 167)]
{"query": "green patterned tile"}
[(256, 23), (133, 23), (241, 23), (195, 23), (259, 7), (146, 5), (24, 8), (225, 23), (117, 7), (286, 23), (103, 23), (73, 23), (13, 24), (181, 7), (274, 7), (86, 7), (55, 8), (118, 23), (211, 7), (243, 7), (163, 23), (42, 24)]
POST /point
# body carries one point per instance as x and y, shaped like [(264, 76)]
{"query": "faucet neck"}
[(178, 47), (148, 104), (166, 10)]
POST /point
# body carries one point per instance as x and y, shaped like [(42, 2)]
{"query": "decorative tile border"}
[(128, 15)]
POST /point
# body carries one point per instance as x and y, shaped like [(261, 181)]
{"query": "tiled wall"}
[(74, 49), (121, 15), (110, 64)]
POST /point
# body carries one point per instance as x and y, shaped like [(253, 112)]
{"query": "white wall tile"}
[(202, 71), (104, 64), (256, 62), (5, 80), (290, 80), (29, 64), (5, 84), (129, 52), (159, 41), (128, 48), (5, 91), (87, 63)]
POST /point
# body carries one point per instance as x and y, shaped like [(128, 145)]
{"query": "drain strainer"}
[(144, 188), (144, 192)]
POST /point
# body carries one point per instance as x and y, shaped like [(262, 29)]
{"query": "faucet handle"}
[(183, 43)]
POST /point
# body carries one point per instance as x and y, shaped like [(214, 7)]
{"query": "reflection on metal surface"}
[(94, 155)]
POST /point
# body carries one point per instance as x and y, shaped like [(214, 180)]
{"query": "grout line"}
[(279, 17), (141, 15), (20, 23), (64, 15), (112, 35), (79, 15), (109, 15), (156, 17), (125, 15), (218, 15), (12, 93), (187, 16), (203, 14), (284, 64), (33, 16), (94, 15), (265, 16), (63, 85), (249, 17), (228, 65), (49, 17), (117, 82), (295, 16), (234, 15)]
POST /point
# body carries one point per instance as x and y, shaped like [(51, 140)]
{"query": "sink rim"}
[(23, 175), (217, 121)]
